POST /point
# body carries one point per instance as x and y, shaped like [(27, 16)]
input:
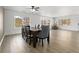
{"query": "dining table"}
[(35, 32)]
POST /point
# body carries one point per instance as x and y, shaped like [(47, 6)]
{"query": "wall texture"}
[(9, 21), (1, 22)]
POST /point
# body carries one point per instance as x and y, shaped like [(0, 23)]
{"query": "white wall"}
[(1, 22), (9, 21)]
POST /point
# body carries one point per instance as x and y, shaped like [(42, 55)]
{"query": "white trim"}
[(12, 34), (2, 39)]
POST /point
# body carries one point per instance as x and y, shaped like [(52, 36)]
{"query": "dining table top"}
[(35, 29)]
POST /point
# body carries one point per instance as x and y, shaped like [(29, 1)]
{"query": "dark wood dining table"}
[(35, 32)]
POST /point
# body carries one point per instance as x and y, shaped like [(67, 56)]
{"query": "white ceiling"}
[(48, 10)]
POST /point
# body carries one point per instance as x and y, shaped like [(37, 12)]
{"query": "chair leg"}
[(38, 41), (48, 40), (26, 39), (30, 42), (42, 42)]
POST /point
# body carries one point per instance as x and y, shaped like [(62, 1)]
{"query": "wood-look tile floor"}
[(61, 41)]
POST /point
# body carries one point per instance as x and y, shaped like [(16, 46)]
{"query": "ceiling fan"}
[(34, 8)]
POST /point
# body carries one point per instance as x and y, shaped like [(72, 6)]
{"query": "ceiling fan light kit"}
[(33, 10)]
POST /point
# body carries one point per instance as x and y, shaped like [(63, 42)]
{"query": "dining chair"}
[(27, 32), (44, 34), (23, 32)]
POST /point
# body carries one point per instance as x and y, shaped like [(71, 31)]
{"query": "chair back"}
[(27, 30), (44, 32)]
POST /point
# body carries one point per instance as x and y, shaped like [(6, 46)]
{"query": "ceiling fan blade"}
[(37, 8)]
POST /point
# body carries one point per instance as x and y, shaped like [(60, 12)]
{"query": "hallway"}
[(60, 41)]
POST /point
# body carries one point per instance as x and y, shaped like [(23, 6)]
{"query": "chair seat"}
[(42, 36)]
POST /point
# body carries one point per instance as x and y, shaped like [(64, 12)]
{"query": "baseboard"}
[(12, 34), (70, 30), (2, 39)]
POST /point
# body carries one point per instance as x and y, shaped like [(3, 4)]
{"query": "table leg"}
[(34, 41)]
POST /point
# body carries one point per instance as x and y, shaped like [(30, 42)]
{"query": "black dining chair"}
[(44, 34), (27, 33), (23, 32)]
